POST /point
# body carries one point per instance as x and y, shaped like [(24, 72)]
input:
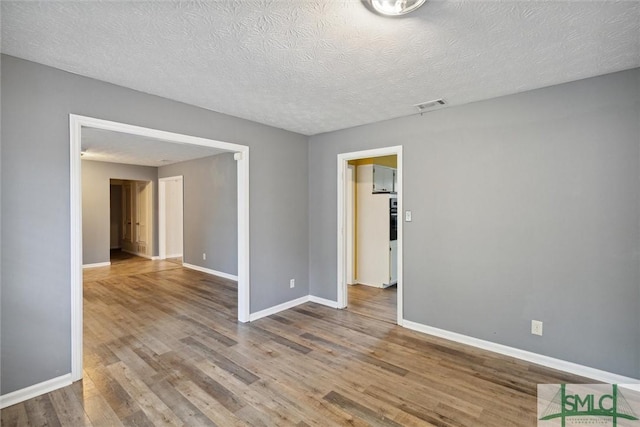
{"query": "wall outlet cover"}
[(536, 327)]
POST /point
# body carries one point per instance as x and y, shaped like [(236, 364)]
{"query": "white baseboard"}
[(290, 304), (539, 359), (278, 308), (34, 390), (173, 256), (323, 301), (210, 271), (97, 264)]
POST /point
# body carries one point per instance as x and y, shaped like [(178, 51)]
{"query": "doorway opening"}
[(186, 142), (131, 219), (369, 233)]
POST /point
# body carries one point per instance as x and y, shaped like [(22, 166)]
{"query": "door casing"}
[(343, 164), (162, 214)]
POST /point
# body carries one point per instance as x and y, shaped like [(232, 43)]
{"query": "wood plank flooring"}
[(377, 303), (163, 348)]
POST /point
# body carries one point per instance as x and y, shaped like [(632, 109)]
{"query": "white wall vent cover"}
[(430, 105)]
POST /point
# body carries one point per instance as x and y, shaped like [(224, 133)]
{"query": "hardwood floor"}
[(377, 303), (118, 256), (163, 348)]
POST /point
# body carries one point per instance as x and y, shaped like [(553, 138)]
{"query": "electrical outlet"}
[(204, 256), (407, 216), (292, 283), (536, 327)]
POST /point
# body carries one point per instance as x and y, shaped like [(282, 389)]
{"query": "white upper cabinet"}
[(384, 179)]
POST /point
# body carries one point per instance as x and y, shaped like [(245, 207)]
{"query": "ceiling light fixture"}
[(393, 7)]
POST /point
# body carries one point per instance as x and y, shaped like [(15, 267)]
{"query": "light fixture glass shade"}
[(394, 7)]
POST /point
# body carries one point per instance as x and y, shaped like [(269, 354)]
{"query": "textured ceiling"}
[(116, 147), (313, 66)]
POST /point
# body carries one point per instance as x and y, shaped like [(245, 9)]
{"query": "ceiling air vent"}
[(424, 106)]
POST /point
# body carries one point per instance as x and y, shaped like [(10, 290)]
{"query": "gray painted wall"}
[(524, 207), (210, 211), (36, 103), (96, 227)]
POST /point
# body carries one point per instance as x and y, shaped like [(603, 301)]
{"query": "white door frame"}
[(241, 154), (162, 213), (343, 162), (350, 225)]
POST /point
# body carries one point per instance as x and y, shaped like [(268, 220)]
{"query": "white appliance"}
[(376, 259)]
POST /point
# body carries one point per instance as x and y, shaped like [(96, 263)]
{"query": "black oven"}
[(393, 219)]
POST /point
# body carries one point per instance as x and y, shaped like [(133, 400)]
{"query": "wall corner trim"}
[(539, 359), (290, 304), (97, 264), (323, 301), (210, 271), (34, 390)]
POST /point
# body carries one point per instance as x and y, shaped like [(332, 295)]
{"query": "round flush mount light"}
[(393, 7)]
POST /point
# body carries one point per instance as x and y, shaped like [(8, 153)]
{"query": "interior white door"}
[(142, 211)]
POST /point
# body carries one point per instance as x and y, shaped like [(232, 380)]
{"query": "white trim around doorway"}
[(162, 216), (241, 155), (343, 162)]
